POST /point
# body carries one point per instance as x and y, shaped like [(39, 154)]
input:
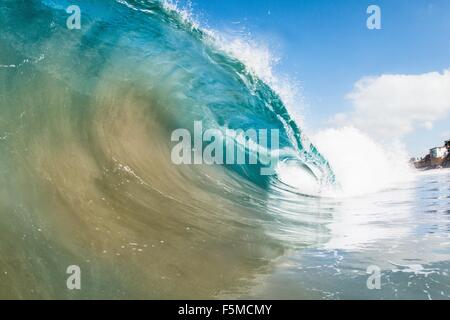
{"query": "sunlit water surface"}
[(405, 231)]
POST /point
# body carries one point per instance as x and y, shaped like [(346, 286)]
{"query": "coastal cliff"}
[(438, 157)]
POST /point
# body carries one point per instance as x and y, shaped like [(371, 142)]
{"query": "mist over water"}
[(362, 165), (85, 157)]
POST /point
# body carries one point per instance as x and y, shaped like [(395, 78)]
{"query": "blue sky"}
[(326, 46)]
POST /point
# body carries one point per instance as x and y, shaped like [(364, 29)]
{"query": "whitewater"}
[(86, 118)]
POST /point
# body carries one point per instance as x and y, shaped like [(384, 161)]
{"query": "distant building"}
[(438, 156), (438, 152)]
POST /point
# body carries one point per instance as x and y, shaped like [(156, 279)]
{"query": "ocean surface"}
[(86, 118), (404, 232)]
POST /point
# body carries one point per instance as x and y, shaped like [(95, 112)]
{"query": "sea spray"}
[(361, 164)]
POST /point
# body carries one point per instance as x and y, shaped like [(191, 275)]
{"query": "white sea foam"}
[(362, 165)]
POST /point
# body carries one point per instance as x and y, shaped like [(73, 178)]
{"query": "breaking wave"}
[(85, 123)]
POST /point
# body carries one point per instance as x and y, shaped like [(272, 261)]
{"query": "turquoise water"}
[(86, 118)]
